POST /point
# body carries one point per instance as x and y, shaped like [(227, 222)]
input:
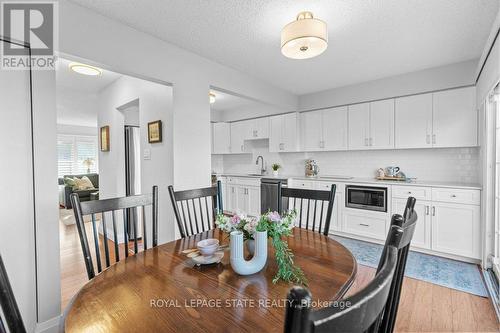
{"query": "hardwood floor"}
[(73, 271), (427, 307), (424, 307)]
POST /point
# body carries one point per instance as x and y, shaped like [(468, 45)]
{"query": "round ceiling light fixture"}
[(85, 69), (211, 96), (304, 38)]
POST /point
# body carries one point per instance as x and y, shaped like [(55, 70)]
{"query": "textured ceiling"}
[(368, 40)]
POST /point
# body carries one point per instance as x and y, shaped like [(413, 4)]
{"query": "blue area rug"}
[(441, 271)]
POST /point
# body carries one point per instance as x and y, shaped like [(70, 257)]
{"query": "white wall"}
[(17, 245), (247, 112), (155, 103), (76, 107), (491, 71), (450, 164), (77, 130), (444, 77)]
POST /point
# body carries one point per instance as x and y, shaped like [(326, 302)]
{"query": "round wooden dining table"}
[(162, 290)]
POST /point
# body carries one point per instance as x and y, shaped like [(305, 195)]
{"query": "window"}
[(76, 154)]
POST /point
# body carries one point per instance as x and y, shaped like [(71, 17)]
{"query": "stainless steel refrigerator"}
[(133, 178)]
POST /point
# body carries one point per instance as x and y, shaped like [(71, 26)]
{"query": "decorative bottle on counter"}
[(312, 168)]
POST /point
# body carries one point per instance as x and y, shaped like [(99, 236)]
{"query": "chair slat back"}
[(191, 208), (131, 209), (13, 319), (360, 313), (408, 223), (314, 207)]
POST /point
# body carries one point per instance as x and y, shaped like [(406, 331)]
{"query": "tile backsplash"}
[(443, 164)]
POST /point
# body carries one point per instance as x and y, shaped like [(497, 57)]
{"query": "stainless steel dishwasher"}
[(269, 193)]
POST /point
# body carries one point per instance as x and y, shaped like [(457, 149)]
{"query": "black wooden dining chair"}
[(188, 205), (407, 222), (310, 205), (14, 321), (361, 312), (127, 205)]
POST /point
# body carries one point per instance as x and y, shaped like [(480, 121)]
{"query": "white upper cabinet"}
[(324, 130), (454, 118), (260, 128), (221, 138), (284, 133), (311, 130), (371, 125), (413, 121), (381, 124), (441, 119), (238, 131), (359, 122), (335, 128)]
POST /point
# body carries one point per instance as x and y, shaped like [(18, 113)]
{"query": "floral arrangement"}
[(277, 227)]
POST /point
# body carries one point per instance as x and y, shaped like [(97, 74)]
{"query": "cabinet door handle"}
[(433, 138), (364, 225), (409, 192), (426, 210), (427, 139), (433, 211), (453, 196)]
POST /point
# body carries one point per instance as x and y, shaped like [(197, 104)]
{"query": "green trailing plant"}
[(287, 270)]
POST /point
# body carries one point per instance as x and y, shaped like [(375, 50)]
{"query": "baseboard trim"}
[(49, 326)]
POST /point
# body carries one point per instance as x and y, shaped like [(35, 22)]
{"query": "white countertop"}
[(357, 180)]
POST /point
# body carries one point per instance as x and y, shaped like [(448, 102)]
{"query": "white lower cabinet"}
[(449, 222), (365, 223), (456, 229), (231, 197), (422, 235), (243, 195), (335, 223), (253, 197)]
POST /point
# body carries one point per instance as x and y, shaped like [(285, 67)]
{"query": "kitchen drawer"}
[(326, 186), (471, 197), (246, 181), (364, 225), (418, 192), (297, 183)]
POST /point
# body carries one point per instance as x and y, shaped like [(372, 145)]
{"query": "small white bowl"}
[(208, 246)]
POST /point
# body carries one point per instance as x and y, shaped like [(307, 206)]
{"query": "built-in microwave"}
[(365, 197)]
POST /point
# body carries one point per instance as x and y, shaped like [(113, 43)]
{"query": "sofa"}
[(83, 194)]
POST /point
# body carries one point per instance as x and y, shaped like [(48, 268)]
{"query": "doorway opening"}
[(102, 143)]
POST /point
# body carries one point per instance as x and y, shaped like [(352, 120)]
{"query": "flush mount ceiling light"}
[(304, 38), (211, 96), (85, 69)]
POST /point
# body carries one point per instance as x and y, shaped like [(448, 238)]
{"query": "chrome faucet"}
[(262, 168)]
